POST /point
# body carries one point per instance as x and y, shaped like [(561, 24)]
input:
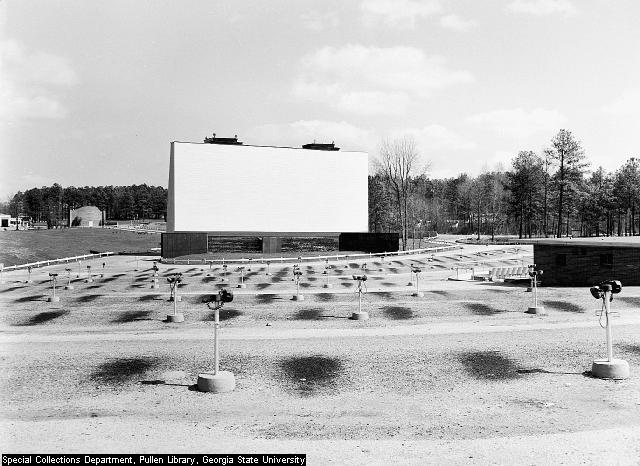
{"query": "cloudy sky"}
[(92, 92)]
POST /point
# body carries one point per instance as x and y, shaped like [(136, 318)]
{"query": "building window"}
[(561, 259), (606, 259)]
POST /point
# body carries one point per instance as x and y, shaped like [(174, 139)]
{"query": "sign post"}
[(609, 368), (174, 280), (217, 381), (54, 298), (89, 277), (68, 286), (416, 271), (360, 315), (534, 274), (242, 283), (297, 273), (327, 272)]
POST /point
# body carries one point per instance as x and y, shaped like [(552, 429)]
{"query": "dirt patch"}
[(26, 299), (149, 297)]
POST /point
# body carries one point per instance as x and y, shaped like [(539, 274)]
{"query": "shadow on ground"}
[(149, 297), (225, 314), (131, 316), (564, 306), (121, 370), (43, 317), (325, 297), (26, 299), (398, 312), (88, 298), (482, 309), (311, 375), (308, 314), (489, 365)]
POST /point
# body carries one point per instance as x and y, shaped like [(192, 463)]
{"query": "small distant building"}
[(5, 221), (87, 216), (587, 262)]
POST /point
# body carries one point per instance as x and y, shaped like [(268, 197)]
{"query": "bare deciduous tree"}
[(398, 162)]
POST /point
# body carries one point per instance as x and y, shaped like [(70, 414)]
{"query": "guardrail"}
[(445, 246), (57, 261)]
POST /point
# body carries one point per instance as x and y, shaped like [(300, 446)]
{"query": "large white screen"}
[(226, 188)]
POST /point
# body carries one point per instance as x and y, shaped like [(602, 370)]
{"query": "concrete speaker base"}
[(360, 315), (175, 318), (614, 369), (418, 294), (298, 297), (53, 299), (268, 274), (177, 299), (89, 280), (327, 285), (155, 286), (223, 381), (242, 285), (68, 287), (538, 310)]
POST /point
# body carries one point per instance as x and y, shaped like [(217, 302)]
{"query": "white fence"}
[(442, 246), (57, 261)]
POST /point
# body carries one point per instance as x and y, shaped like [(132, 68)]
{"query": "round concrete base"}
[(268, 274), (298, 297), (327, 285), (89, 280), (360, 315), (242, 285), (539, 310), (68, 287), (614, 369), (223, 279), (155, 286), (175, 318), (177, 299), (53, 299), (418, 294), (223, 381), (28, 281), (529, 289)]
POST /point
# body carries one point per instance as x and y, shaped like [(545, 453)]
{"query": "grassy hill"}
[(20, 247)]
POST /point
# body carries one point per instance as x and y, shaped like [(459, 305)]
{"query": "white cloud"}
[(437, 138), (519, 123), (372, 80), (398, 13), (456, 23), (543, 7), (628, 104), (344, 134), (28, 83), (317, 21)]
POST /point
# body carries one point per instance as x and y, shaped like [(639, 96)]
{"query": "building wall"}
[(587, 265)]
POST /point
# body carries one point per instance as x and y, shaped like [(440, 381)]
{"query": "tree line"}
[(52, 204), (540, 195), (552, 193)]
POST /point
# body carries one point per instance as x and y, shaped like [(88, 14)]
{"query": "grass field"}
[(21, 247), (459, 376)]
